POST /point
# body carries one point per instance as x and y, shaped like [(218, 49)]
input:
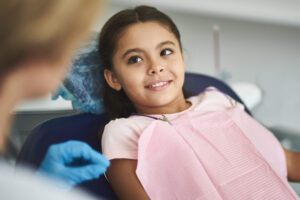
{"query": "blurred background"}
[(253, 45)]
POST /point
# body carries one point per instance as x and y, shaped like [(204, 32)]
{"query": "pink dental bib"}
[(208, 156)]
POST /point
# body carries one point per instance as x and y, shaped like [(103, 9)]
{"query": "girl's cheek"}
[(176, 63)]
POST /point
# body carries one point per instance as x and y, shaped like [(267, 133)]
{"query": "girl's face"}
[(149, 67)]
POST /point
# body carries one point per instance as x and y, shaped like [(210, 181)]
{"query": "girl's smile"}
[(158, 85)]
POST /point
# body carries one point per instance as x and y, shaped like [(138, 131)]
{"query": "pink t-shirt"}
[(120, 137)]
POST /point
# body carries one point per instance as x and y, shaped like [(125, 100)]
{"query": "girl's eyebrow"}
[(130, 51), (164, 43), (140, 50)]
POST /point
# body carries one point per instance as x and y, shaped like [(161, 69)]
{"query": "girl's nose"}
[(155, 69)]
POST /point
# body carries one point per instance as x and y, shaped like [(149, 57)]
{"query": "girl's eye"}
[(134, 59), (166, 52)]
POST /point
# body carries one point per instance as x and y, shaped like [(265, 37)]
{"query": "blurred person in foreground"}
[(38, 38)]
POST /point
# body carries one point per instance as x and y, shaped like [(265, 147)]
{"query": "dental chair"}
[(88, 127)]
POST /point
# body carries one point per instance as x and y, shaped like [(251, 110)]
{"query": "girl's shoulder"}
[(131, 122), (118, 122), (131, 126), (120, 137), (212, 99)]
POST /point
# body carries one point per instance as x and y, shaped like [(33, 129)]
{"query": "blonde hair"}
[(43, 28)]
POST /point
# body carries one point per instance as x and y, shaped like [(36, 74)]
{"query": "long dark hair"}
[(117, 103)]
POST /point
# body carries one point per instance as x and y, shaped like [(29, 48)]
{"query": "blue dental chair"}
[(88, 128)]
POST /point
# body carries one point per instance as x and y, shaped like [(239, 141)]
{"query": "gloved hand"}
[(73, 162)]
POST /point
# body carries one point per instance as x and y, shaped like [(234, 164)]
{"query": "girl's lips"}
[(158, 85)]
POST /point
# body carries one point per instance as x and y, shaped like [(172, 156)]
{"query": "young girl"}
[(164, 146)]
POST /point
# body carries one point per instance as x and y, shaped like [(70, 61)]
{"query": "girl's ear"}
[(112, 80)]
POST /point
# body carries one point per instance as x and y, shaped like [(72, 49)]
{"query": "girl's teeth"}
[(159, 84)]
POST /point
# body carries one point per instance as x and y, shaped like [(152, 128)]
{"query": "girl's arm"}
[(122, 177), (293, 165)]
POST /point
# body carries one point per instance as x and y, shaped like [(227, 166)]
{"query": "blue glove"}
[(73, 162)]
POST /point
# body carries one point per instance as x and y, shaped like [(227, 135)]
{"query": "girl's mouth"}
[(158, 85)]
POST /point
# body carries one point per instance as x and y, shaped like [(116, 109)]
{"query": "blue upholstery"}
[(196, 83), (85, 127)]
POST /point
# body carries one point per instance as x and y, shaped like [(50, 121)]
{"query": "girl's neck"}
[(176, 106)]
